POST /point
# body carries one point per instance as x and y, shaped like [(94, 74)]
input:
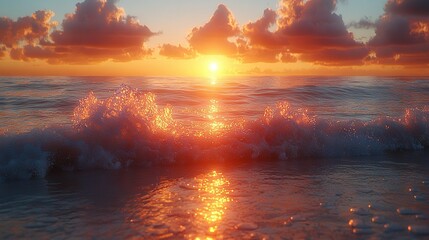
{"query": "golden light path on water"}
[(214, 195), (192, 208)]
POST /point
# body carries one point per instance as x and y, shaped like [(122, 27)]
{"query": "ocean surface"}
[(214, 158)]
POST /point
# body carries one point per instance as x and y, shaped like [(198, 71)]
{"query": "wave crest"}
[(131, 129)]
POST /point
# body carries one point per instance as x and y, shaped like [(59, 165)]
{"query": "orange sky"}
[(298, 38)]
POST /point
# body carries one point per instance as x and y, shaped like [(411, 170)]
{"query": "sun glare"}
[(213, 67)]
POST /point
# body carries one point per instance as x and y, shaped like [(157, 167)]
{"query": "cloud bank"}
[(97, 31), (300, 30)]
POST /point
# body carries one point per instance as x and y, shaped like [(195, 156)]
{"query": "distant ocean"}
[(214, 158)]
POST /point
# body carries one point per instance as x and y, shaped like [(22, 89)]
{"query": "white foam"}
[(129, 128)]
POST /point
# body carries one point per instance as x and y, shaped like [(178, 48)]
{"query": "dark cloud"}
[(402, 34), (172, 51), (408, 7), (213, 37)]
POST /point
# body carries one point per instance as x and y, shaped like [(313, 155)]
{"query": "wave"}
[(129, 129)]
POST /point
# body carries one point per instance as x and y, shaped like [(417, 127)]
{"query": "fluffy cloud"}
[(308, 30), (97, 31), (28, 29), (313, 30), (213, 37), (402, 34), (172, 51)]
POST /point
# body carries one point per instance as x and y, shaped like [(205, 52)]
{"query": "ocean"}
[(261, 157)]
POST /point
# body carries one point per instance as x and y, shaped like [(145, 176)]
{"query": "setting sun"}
[(213, 67)]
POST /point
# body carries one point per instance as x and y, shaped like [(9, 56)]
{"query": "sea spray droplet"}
[(419, 230), (188, 186), (247, 226), (407, 211), (358, 223), (393, 227), (360, 211), (379, 220), (298, 218), (362, 230), (421, 217), (419, 198)]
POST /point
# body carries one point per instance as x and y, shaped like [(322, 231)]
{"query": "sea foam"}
[(130, 129)]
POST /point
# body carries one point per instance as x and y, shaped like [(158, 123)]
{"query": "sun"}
[(213, 67)]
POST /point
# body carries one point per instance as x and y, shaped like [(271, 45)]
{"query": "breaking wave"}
[(130, 129)]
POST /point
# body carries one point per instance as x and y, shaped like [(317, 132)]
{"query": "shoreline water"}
[(308, 198)]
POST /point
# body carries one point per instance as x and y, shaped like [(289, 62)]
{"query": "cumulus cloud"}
[(300, 30), (307, 30), (258, 33), (28, 29), (213, 37), (402, 34), (179, 52), (312, 29), (97, 31)]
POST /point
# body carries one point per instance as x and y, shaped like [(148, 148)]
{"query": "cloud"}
[(307, 29), (28, 29), (179, 52), (408, 7), (402, 34), (213, 37), (258, 32), (2, 51), (364, 23), (97, 31)]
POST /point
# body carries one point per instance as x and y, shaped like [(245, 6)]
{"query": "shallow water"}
[(274, 200)]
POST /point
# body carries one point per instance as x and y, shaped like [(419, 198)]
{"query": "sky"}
[(185, 38)]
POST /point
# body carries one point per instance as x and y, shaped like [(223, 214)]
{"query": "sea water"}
[(214, 158)]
